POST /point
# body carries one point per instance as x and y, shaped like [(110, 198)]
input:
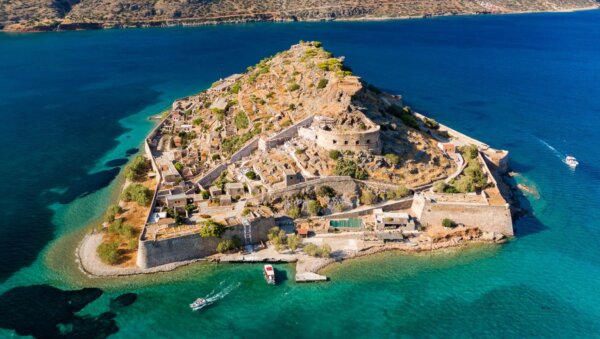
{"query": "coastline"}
[(254, 18)]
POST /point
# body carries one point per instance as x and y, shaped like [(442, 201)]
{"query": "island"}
[(47, 15), (298, 160)]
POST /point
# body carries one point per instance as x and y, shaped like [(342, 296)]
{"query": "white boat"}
[(571, 161), (269, 273), (198, 304)]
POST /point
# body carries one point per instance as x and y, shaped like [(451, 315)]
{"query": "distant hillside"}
[(41, 15)]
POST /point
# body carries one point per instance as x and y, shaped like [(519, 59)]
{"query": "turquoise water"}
[(74, 107)]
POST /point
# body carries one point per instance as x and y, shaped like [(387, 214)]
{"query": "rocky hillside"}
[(40, 15)]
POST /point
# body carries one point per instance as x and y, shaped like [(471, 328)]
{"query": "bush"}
[(215, 157), (235, 88), (335, 154), (121, 228), (410, 121), (326, 191), (225, 246), (392, 159), (241, 120), (205, 195), (311, 249), (325, 251), (350, 168), (197, 121), (322, 83), (448, 223), (112, 212), (212, 228), (313, 207), (246, 211), (179, 167), (293, 87), (294, 212), (138, 193), (109, 252), (470, 151), (251, 175), (293, 242), (430, 123), (136, 171), (132, 244), (368, 198)]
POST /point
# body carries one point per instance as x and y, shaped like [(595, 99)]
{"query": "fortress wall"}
[(339, 184), (212, 175), (349, 141), (487, 218), (193, 246), (245, 151), (285, 134), (387, 206)]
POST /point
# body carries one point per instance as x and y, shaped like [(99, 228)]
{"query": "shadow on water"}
[(131, 151), (116, 162), (281, 276), (43, 311)]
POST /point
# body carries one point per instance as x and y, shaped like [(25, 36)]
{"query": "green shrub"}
[(350, 168), (251, 175), (313, 207), (138, 193), (197, 121), (179, 166), (325, 251), (241, 120), (293, 241), (311, 249), (470, 151), (392, 159), (235, 88), (132, 244), (112, 212), (322, 83), (205, 195), (293, 87), (326, 191), (216, 157), (409, 120), (212, 228), (137, 169), (246, 211), (335, 154), (448, 223), (294, 212), (368, 198), (109, 252), (226, 246), (430, 123), (120, 227)]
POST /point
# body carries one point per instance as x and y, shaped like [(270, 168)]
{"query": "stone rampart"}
[(485, 217), (355, 141), (193, 246), (339, 184), (284, 135)]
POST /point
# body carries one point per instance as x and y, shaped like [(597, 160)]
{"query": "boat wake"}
[(215, 296), (563, 157)]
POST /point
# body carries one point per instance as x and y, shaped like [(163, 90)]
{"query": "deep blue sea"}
[(74, 108)]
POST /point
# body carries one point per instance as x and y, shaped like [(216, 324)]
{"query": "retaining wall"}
[(155, 253)]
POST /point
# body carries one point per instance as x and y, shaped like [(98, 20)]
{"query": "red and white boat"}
[(269, 273)]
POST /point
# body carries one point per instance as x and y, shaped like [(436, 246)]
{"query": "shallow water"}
[(73, 106)]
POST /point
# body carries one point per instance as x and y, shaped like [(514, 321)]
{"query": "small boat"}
[(269, 274), (198, 304), (571, 161)]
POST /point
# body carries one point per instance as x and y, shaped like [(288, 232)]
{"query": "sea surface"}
[(74, 108)]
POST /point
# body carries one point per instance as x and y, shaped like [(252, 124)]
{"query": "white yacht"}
[(571, 161)]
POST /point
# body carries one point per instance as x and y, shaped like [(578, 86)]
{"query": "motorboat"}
[(198, 304), (269, 273), (571, 161)]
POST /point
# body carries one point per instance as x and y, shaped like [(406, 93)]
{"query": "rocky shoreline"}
[(346, 15)]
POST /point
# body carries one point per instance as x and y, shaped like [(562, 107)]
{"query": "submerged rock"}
[(123, 300)]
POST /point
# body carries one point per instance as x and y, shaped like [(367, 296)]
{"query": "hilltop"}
[(48, 15)]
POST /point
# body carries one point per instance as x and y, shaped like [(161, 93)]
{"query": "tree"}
[(367, 198), (325, 251), (109, 252), (293, 241), (251, 175), (313, 207), (322, 83), (293, 212), (212, 228), (205, 195), (137, 193), (392, 159), (179, 166), (448, 223), (311, 249), (112, 212), (326, 191), (197, 121), (225, 246), (272, 232), (241, 120), (137, 169), (335, 154), (470, 151)]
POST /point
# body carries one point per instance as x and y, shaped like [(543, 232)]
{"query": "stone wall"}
[(345, 141), (485, 217), (339, 184), (284, 135), (214, 173), (192, 246)]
